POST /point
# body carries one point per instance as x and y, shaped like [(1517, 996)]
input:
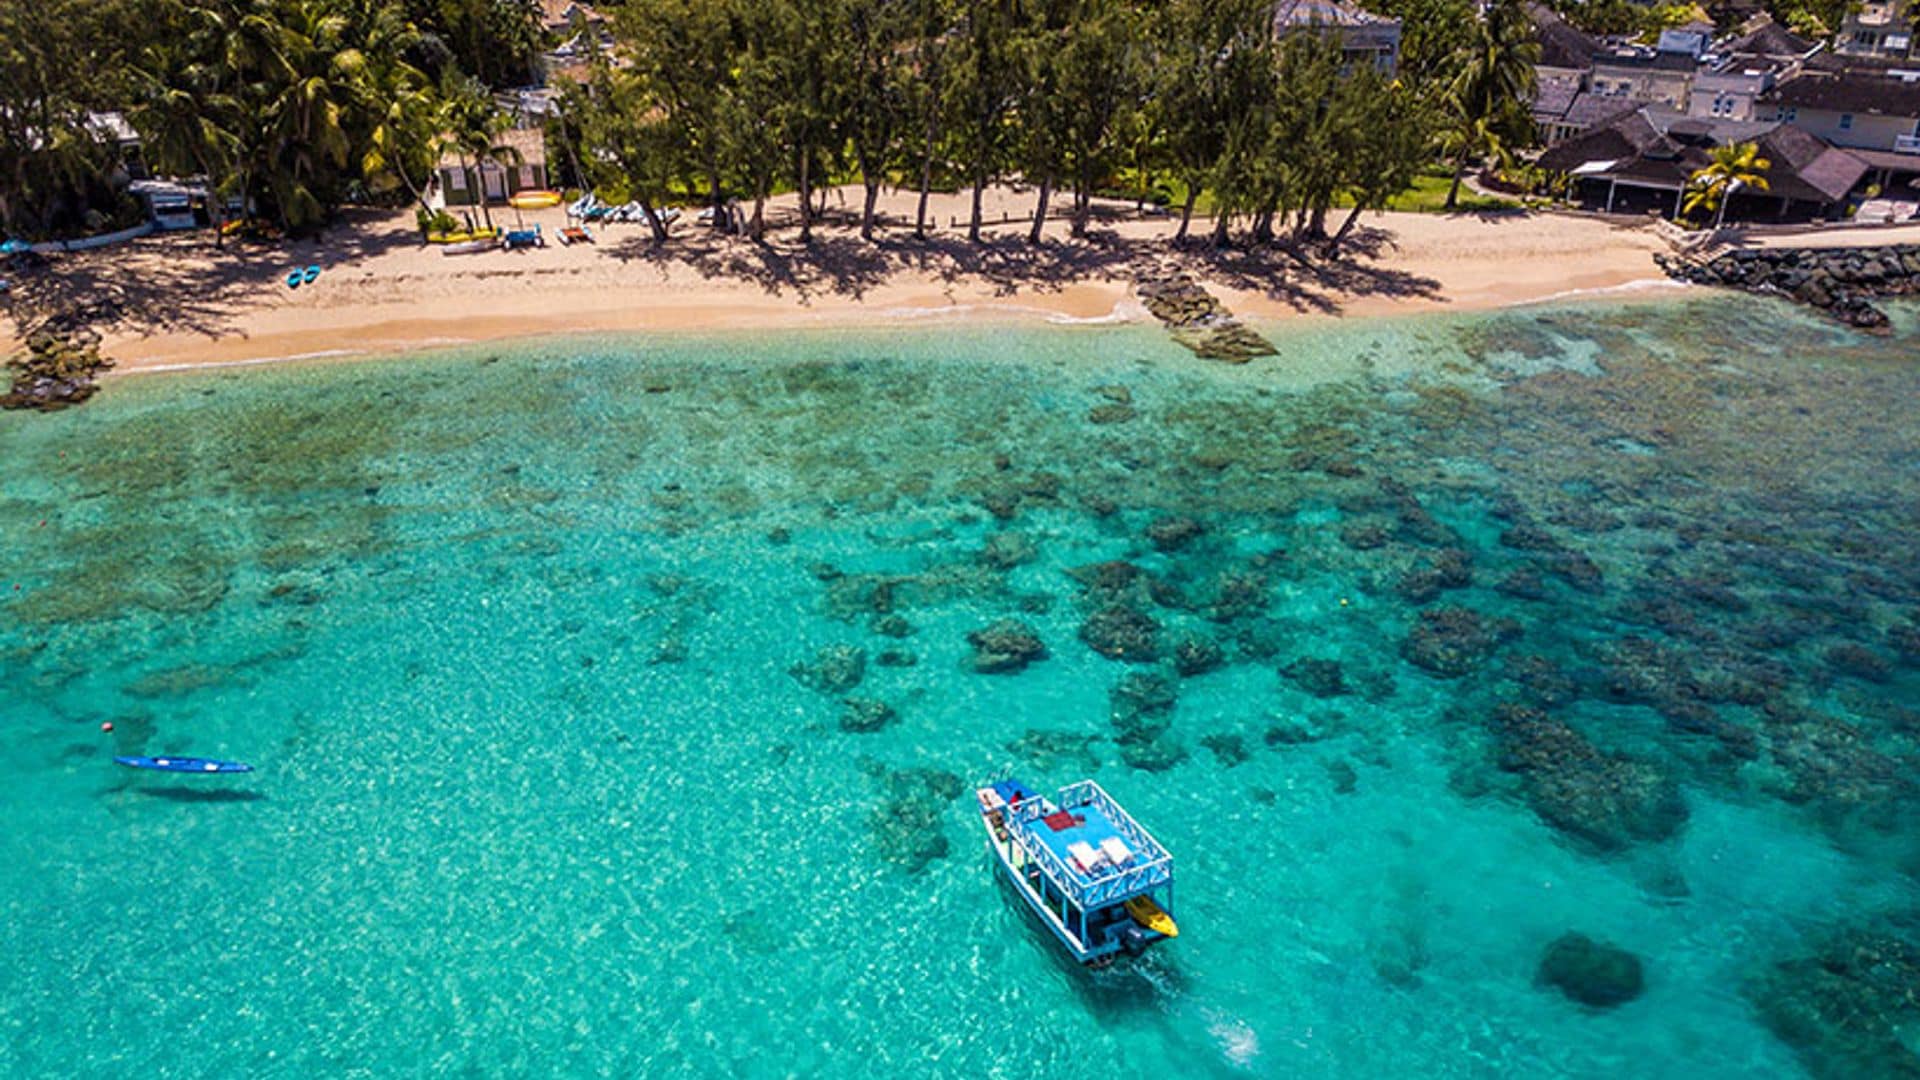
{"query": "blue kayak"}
[(312, 272), (182, 764), (294, 279)]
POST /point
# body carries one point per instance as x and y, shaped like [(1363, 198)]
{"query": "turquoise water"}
[(512, 635)]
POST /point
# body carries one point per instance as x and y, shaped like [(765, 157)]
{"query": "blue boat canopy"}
[(1088, 847)]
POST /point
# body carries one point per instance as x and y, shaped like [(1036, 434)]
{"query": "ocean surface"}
[(614, 709)]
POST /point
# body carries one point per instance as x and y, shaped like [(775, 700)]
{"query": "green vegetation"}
[(291, 108), (1734, 167)]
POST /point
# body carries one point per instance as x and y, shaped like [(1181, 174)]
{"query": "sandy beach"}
[(180, 302)]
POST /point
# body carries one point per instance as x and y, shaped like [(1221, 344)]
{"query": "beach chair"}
[(1085, 857), (1116, 852)]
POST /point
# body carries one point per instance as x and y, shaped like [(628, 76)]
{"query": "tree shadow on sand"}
[(837, 262), (176, 287), (187, 283)]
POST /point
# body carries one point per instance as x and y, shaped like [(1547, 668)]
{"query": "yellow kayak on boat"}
[(1148, 914), (535, 200)]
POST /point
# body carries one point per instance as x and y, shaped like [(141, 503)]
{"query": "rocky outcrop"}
[(1605, 799), (57, 369), (1839, 281), (1199, 321), (835, 669), (1005, 647), (1591, 972), (1848, 1006)]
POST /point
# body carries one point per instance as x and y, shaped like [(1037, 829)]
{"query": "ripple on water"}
[(1423, 646)]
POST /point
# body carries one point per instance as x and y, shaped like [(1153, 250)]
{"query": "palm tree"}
[(1733, 166), (1490, 90), (474, 126), (401, 106)]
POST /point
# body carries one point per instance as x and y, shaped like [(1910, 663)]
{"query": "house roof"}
[(1293, 14), (1621, 139), (1552, 101), (1805, 166), (530, 143), (1588, 110), (559, 14), (1640, 60), (1849, 92), (1561, 45), (1769, 38), (1661, 148)]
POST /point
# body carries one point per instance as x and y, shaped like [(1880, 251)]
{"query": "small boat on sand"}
[(471, 247), (534, 199), (183, 764), (1086, 868)]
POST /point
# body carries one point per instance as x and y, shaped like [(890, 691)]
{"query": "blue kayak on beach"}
[(182, 764)]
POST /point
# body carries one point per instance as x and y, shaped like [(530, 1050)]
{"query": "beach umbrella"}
[(15, 247)]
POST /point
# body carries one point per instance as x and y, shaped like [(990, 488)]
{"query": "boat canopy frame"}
[(1151, 868)]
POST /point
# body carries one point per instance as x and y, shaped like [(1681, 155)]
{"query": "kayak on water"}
[(183, 764)]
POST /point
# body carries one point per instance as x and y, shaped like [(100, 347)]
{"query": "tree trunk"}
[(806, 195), (654, 224), (1353, 217), (1040, 209), (926, 187), (1186, 214), (1317, 227), (714, 197), (1219, 238), (973, 223), (1459, 174), (866, 211), (757, 225), (1082, 205)]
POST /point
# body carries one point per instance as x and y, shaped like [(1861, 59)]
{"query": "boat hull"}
[(201, 766)]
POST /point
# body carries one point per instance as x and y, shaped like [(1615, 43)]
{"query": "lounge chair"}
[(1085, 857), (1116, 852)]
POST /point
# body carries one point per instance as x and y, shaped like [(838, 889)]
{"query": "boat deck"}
[(1126, 860)]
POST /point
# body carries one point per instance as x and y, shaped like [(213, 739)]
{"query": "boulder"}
[(1591, 972), (1005, 647), (834, 670), (1321, 678), (906, 824), (1455, 641), (1173, 533), (1120, 632), (1006, 550), (1196, 655), (864, 714)]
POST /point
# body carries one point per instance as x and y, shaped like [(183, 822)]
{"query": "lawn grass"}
[(1429, 196)]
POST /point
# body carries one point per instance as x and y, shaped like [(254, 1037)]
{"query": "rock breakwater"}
[(1199, 321), (1840, 281)]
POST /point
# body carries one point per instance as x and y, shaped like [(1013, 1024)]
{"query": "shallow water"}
[(512, 635)]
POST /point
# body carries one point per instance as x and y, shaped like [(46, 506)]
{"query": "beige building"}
[(1878, 28)]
